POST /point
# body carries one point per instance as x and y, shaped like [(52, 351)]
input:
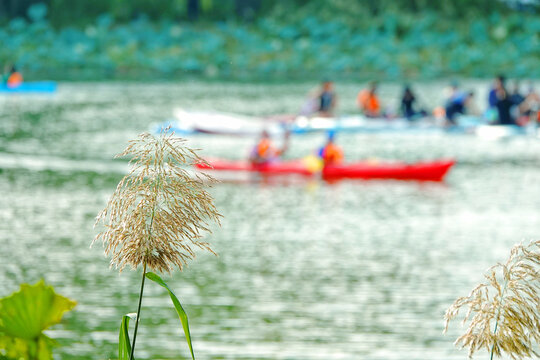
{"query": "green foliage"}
[(39, 348), (415, 38), (82, 12), (24, 316), (124, 345), (179, 309)]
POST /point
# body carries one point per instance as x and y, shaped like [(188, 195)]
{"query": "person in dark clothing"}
[(327, 99), (407, 104), (504, 106), (498, 84)]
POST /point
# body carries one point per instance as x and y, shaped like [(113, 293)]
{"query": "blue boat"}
[(30, 87)]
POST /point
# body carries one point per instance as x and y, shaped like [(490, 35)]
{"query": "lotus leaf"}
[(32, 309)]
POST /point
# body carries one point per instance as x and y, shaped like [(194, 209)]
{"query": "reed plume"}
[(158, 212), (156, 217), (504, 311)]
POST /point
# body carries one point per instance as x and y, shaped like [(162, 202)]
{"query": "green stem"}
[(144, 274), (138, 313)]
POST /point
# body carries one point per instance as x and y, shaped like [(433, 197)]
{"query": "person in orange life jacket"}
[(331, 153), (14, 78), (265, 152), (368, 102)]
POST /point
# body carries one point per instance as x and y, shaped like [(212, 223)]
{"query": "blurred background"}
[(306, 269), (263, 39)]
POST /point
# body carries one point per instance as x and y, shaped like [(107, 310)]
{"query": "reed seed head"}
[(158, 213), (504, 312)]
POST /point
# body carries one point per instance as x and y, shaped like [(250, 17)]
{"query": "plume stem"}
[(143, 275), (138, 312), (498, 317)]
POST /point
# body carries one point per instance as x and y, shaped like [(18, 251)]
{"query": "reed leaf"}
[(179, 309), (124, 346)]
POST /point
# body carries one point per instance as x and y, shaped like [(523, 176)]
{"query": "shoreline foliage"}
[(288, 40)]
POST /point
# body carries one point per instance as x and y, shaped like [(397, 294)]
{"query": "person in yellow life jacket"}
[(265, 151), (14, 78), (331, 153), (368, 102)]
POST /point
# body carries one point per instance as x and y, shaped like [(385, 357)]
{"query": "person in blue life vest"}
[(458, 103)]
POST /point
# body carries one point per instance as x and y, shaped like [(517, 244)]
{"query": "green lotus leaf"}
[(17, 348), (27, 312)]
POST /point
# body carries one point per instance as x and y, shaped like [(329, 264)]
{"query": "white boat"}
[(187, 122), (205, 122)]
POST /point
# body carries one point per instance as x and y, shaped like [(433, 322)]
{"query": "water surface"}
[(306, 269)]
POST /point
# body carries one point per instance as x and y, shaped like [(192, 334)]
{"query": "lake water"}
[(306, 270)]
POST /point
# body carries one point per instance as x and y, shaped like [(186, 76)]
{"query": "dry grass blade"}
[(504, 312), (158, 213)]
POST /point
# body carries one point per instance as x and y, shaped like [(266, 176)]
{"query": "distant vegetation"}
[(385, 39)]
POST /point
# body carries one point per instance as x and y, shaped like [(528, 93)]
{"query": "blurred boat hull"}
[(30, 87), (198, 122), (422, 171), (215, 123)]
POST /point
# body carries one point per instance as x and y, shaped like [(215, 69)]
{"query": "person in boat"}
[(265, 152), (331, 153), (498, 83), (326, 99), (504, 105), (528, 107), (368, 101), (407, 105), (321, 101), (459, 103), (13, 78)]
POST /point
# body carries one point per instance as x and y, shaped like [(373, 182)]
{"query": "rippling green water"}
[(306, 270)]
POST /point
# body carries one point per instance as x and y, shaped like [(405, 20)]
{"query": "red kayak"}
[(296, 167), (425, 171)]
